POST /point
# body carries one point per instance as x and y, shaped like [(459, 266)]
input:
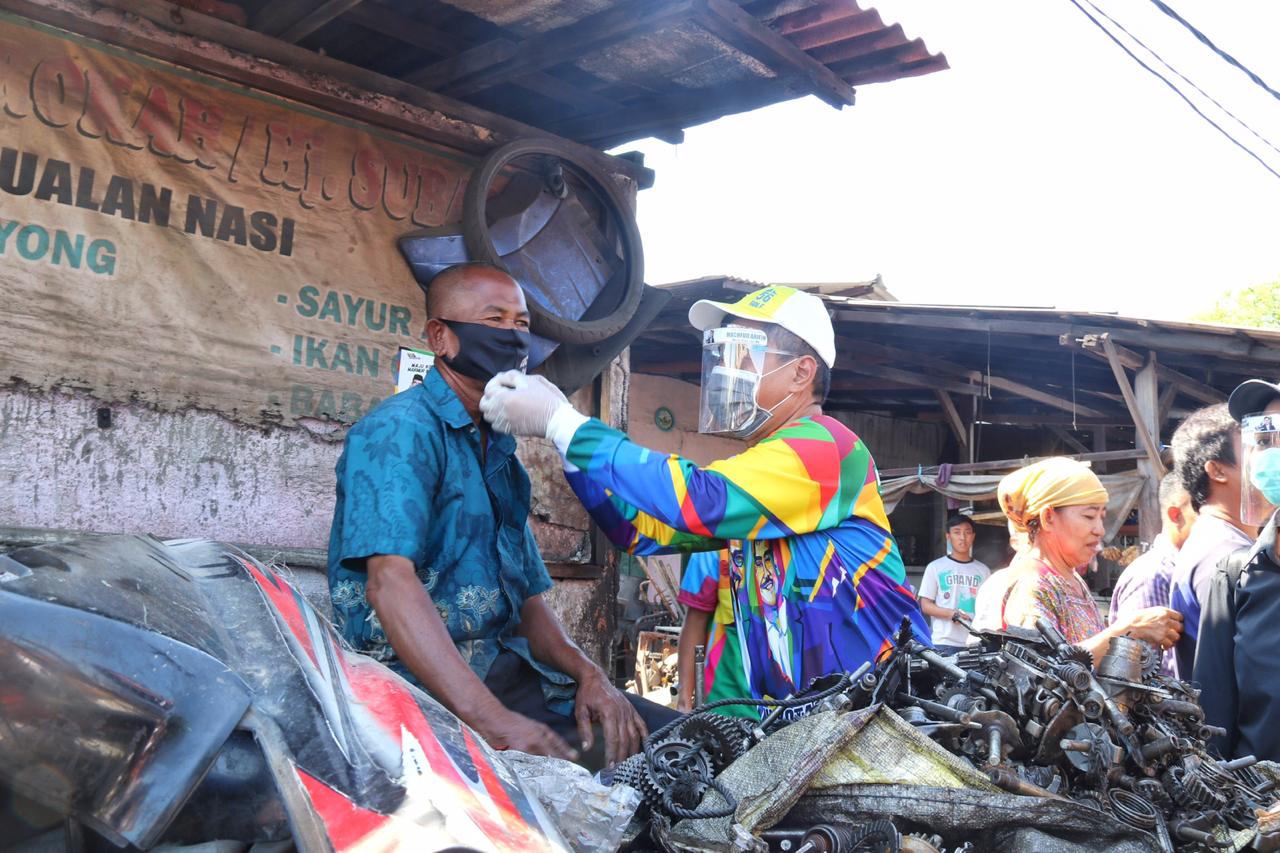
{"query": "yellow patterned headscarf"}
[(1059, 481)]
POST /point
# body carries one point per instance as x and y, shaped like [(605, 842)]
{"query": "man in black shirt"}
[(1236, 660)]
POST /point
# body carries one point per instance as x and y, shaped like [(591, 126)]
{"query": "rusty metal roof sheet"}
[(604, 72), (1042, 367)]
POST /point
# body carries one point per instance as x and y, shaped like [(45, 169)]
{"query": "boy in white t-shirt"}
[(950, 586)]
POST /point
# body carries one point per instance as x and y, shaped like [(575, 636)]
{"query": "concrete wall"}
[(198, 474), (172, 474)]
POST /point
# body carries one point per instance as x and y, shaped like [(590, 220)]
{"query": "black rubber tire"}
[(475, 231)]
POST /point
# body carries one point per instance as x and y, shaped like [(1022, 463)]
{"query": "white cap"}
[(802, 314)]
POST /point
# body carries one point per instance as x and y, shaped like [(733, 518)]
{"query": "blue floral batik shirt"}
[(411, 483)]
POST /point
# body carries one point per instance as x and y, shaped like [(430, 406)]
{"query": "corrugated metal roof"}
[(607, 71), (1030, 367), (1266, 337)]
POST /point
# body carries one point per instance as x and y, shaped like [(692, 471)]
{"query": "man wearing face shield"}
[(815, 576), (432, 566), (1236, 660)]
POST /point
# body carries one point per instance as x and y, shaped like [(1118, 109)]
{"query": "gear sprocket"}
[(724, 739)]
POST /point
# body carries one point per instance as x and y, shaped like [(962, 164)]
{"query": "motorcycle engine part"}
[(725, 739), (1132, 809), (1123, 660), (878, 836), (829, 838), (921, 844)]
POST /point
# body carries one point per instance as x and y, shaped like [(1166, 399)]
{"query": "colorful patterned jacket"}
[(818, 583)]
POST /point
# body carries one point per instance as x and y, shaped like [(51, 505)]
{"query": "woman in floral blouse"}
[(1060, 504)]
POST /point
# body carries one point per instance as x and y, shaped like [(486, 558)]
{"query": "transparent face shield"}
[(1260, 468), (732, 368)]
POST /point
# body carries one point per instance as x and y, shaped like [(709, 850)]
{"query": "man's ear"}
[(805, 369), (1216, 470), (440, 338), (1174, 514)]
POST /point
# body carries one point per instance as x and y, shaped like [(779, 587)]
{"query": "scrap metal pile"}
[(1026, 708)]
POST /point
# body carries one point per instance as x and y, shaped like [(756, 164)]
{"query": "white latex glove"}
[(517, 404)]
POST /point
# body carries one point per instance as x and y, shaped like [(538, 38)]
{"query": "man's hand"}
[(509, 730), (517, 404), (599, 701)]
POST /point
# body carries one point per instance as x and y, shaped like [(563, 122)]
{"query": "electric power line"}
[(1184, 77), (1231, 60), (1175, 89)]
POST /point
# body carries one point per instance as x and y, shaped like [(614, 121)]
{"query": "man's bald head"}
[(475, 294), (460, 291)]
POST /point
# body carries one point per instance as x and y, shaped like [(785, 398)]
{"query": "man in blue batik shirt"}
[(432, 566)]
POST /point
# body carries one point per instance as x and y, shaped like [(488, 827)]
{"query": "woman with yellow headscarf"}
[(1060, 505)]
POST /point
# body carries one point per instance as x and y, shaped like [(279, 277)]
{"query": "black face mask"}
[(485, 351)]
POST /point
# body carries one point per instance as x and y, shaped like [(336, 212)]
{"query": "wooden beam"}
[(1122, 379), (958, 427), (1160, 339), (275, 15), (386, 21), (1068, 439), (447, 127), (640, 117), (1013, 464), (735, 26), (1167, 396), (461, 63), (609, 26), (390, 23), (1021, 419), (959, 371), (1100, 446), (919, 380), (1192, 387), (1146, 393), (315, 19)]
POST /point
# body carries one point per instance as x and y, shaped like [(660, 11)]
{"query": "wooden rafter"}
[(1167, 396), (1161, 339), (275, 16), (735, 26), (1010, 464), (564, 44), (316, 18), (390, 23), (386, 21), (946, 368), (166, 16), (641, 117), (1131, 400), (1068, 439), (1188, 385), (958, 427), (919, 380)]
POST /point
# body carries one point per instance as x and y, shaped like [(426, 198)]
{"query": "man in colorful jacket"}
[(818, 584)]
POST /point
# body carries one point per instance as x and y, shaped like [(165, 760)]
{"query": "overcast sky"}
[(1044, 168)]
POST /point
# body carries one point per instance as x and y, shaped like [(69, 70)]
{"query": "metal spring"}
[(1133, 809), (1074, 675)]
